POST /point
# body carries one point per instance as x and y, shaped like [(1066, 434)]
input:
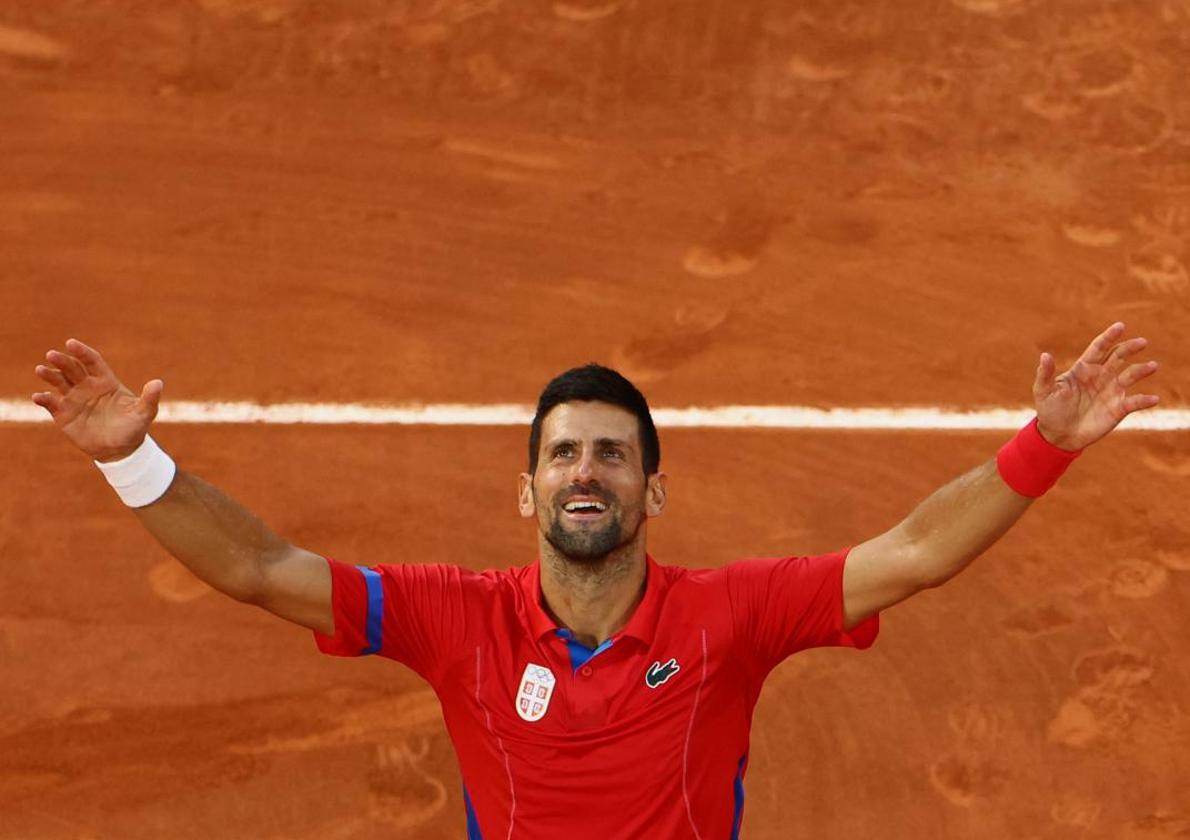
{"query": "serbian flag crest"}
[(537, 687)]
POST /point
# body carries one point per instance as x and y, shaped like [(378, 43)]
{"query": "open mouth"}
[(584, 509)]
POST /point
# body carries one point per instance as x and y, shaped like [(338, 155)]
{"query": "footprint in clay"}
[(1132, 128), (1040, 619), (1135, 578), (653, 357), (1174, 560), (963, 780), (1161, 825), (1092, 716), (33, 47), (1091, 234), (1113, 668), (1161, 273), (993, 8), (402, 794), (1104, 707), (1076, 812), (734, 249), (173, 582), (586, 11), (978, 724)]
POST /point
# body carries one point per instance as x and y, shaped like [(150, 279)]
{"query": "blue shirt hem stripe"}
[(739, 799), (473, 832)]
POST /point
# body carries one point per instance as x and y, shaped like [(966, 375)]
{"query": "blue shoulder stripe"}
[(375, 622)]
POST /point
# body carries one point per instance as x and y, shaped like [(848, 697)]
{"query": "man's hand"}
[(99, 414), (219, 540), (1078, 407), (961, 520)]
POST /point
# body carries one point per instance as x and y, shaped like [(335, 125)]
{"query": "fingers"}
[(1099, 349), (76, 364), (1135, 373), (88, 357), (70, 367), (1125, 349), (1044, 381), (150, 397), (78, 373), (48, 400), (1138, 402), (53, 376)]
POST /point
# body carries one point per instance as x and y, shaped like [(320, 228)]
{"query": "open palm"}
[(1081, 405), (99, 414)]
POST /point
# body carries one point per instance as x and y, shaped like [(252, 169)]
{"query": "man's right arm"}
[(218, 539), (230, 548)]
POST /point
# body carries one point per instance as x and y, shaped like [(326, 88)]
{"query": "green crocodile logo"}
[(658, 673)]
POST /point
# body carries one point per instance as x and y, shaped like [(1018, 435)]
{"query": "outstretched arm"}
[(216, 538), (961, 520)]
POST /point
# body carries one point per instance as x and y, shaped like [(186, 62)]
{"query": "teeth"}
[(573, 507)]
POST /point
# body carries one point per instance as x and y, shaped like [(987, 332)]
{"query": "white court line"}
[(510, 414)]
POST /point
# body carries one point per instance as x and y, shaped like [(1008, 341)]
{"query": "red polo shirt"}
[(645, 736)]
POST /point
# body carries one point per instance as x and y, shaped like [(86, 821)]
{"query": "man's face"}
[(590, 494)]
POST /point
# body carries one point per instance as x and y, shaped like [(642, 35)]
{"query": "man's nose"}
[(584, 467)]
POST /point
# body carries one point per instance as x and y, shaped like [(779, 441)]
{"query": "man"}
[(594, 693)]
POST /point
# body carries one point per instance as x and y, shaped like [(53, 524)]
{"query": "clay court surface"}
[(813, 203)]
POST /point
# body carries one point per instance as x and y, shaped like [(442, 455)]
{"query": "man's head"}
[(594, 461), (596, 383)]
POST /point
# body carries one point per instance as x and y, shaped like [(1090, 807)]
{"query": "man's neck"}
[(593, 599)]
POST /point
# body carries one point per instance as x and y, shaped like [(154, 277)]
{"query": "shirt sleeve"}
[(781, 606), (412, 613)]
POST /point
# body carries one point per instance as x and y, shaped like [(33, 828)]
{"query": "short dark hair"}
[(596, 383)]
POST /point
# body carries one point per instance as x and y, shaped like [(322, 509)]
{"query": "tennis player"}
[(594, 693)]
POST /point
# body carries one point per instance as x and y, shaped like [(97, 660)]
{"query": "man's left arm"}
[(961, 520)]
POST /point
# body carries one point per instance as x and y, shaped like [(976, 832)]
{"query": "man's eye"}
[(563, 452), (613, 453)]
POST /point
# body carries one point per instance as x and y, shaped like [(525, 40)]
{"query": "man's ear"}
[(525, 496), (655, 494)]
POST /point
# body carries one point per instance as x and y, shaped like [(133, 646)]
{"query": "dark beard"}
[(585, 545)]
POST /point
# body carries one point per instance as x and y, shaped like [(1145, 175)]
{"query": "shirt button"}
[(585, 670)]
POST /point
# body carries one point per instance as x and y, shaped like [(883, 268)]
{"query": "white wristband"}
[(143, 477)]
